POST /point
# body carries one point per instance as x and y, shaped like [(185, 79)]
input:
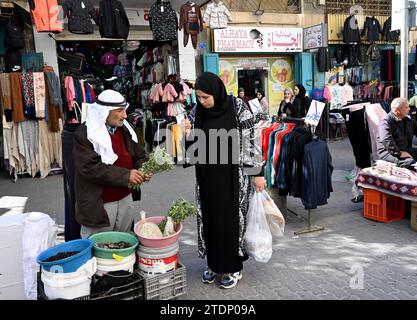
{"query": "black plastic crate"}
[(131, 291)]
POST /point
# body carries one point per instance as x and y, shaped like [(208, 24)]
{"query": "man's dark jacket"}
[(91, 175), (351, 30), (113, 21), (395, 136)]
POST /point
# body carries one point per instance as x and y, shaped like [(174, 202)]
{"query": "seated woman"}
[(286, 107)]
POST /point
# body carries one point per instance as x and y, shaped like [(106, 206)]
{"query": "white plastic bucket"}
[(69, 285), (108, 265), (157, 260)]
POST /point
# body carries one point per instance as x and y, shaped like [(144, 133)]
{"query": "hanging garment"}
[(217, 15), (373, 52), (28, 95), (353, 55), (14, 36), (45, 15), (323, 59), (351, 30), (5, 96), (389, 35), (388, 65), (163, 21), (374, 29), (347, 94), (40, 93), (80, 13), (317, 174), (18, 111), (374, 114), (112, 20), (358, 134), (13, 60), (191, 21)]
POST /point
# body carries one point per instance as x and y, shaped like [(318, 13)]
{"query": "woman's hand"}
[(259, 183), (186, 125)]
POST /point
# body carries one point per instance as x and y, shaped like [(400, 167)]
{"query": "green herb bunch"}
[(159, 161), (180, 210)]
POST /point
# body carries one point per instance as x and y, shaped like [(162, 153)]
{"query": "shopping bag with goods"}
[(276, 221), (258, 237)]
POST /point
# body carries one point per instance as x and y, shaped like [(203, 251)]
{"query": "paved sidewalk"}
[(353, 258)]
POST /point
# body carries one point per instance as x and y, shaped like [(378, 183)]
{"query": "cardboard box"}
[(11, 258)]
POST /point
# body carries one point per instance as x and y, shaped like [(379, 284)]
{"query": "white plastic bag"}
[(258, 237), (274, 217)]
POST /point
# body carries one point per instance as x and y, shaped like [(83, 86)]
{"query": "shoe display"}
[(208, 276), (229, 280)]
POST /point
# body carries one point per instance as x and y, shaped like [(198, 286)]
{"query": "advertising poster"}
[(228, 74), (281, 76)]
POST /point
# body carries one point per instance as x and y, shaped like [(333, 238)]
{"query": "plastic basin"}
[(69, 264), (158, 242), (113, 236)]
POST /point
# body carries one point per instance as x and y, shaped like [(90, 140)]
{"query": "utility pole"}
[(404, 52)]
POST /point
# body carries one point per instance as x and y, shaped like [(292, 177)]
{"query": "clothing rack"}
[(283, 199)]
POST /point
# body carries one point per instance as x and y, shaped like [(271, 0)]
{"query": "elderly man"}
[(106, 158), (395, 135)]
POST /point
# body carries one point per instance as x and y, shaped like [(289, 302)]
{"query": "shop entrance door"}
[(252, 80)]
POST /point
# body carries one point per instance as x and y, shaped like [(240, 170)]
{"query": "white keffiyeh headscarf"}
[(97, 132)]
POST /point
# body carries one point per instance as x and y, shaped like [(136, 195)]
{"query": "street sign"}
[(314, 112)]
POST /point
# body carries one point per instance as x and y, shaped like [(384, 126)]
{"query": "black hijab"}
[(302, 91), (211, 84)]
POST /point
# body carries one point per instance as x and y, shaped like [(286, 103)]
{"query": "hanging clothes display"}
[(79, 13), (292, 158), (32, 135), (163, 21), (191, 21)]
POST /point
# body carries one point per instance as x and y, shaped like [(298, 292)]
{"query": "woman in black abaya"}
[(223, 186)]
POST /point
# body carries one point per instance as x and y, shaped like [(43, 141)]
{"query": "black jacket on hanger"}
[(374, 29), (387, 34), (113, 21), (79, 14), (323, 59), (351, 35)]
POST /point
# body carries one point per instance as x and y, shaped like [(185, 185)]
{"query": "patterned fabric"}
[(39, 93), (388, 178), (250, 157), (217, 15), (163, 22), (28, 94)]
